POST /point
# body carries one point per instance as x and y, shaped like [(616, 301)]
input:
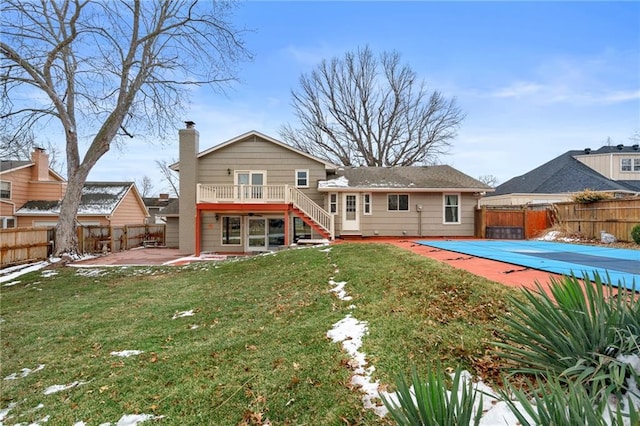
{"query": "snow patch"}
[(60, 388), (338, 289), (127, 353), (23, 373), (183, 314), (341, 182)]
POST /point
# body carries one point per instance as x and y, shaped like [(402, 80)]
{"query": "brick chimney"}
[(40, 171), (188, 168)]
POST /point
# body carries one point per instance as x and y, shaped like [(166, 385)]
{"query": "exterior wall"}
[(171, 232), (46, 190), (609, 164), (428, 222), (256, 154), (523, 199), (129, 211), (30, 221)]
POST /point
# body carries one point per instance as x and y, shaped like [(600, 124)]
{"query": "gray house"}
[(254, 193), (611, 169)]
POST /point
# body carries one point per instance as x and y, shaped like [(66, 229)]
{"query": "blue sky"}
[(535, 79)]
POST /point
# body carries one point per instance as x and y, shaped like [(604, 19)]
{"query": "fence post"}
[(525, 226)]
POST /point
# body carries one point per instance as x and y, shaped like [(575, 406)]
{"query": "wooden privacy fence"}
[(616, 217), (20, 245), (511, 223), (97, 239)]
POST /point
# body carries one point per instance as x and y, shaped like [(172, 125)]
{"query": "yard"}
[(236, 342)]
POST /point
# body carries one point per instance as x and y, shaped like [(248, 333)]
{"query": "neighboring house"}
[(611, 169), (155, 205), (101, 203), (254, 193), (32, 193), (170, 214)]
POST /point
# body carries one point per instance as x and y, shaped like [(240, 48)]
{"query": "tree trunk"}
[(66, 235)]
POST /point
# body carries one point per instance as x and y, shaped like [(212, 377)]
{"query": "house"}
[(155, 205), (611, 169), (170, 214), (254, 193), (32, 193)]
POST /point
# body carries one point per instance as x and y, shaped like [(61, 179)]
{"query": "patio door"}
[(256, 234), (350, 213), (264, 233)]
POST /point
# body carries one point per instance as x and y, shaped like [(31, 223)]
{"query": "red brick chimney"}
[(40, 171)]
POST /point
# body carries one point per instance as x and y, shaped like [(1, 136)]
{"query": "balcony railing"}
[(242, 194)]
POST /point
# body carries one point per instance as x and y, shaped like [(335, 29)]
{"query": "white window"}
[(625, 164), (398, 202), (5, 190), (231, 230), (333, 203), (366, 203), (630, 164), (302, 178), (7, 222), (451, 208)]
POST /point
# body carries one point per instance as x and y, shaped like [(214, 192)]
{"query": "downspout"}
[(419, 209)]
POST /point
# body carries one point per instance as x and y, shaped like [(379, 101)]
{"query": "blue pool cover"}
[(620, 267)]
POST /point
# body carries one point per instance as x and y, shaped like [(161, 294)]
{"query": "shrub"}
[(635, 234), (575, 333), (427, 402), (560, 404), (589, 196)]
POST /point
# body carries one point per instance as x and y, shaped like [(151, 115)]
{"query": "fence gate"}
[(511, 224)]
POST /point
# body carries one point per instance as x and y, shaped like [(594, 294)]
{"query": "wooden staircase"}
[(311, 213)]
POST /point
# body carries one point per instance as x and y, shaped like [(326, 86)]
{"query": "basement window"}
[(231, 230)]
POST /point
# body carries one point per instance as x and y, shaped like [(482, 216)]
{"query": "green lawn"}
[(255, 347)]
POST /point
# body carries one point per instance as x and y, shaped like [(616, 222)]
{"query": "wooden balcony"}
[(243, 194), (267, 194)]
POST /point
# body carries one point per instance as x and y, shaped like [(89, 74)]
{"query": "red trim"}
[(237, 207), (287, 225), (197, 232)]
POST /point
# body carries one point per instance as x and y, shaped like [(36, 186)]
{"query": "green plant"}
[(427, 402), (564, 404), (575, 333), (635, 234)]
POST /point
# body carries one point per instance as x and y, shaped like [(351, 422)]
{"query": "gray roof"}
[(561, 175), (6, 165), (406, 177), (172, 209), (156, 201), (98, 198)]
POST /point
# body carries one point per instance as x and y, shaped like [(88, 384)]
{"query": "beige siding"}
[(254, 153), (171, 229), (609, 165), (382, 222), (129, 211), (522, 199)]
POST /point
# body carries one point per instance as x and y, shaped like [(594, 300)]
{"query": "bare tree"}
[(20, 147), (490, 180), (169, 176), (145, 186), (108, 70), (360, 110)]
